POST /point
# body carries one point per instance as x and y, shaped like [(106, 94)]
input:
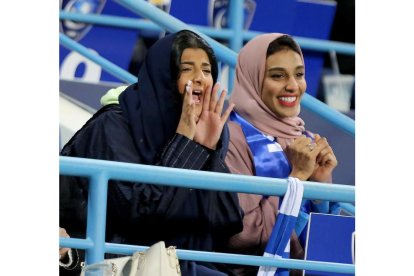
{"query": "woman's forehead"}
[(284, 58), (194, 54)]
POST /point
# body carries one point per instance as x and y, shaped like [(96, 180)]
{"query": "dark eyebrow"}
[(276, 69), (283, 69), (192, 63)]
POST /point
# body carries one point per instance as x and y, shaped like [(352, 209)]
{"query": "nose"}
[(198, 77), (292, 85)]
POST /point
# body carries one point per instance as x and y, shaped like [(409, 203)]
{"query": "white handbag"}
[(155, 261)]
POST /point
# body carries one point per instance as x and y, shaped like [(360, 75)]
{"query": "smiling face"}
[(195, 66), (284, 83)]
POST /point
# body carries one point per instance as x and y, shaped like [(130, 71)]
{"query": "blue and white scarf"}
[(271, 161), (278, 245)]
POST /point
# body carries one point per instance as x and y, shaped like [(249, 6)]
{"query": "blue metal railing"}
[(205, 180), (225, 34), (100, 171)]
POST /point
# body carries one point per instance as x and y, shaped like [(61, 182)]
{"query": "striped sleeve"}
[(184, 153)]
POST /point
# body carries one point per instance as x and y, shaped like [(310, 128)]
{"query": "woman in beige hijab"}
[(269, 85)]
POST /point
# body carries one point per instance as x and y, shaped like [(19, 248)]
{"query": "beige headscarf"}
[(246, 95)]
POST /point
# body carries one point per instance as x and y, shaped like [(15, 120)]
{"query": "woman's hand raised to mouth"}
[(211, 121), (207, 129), (188, 119)]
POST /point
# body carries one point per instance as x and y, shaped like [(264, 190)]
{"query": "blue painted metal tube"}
[(96, 224), (215, 257), (125, 249), (204, 180), (348, 207), (110, 67), (331, 115), (314, 44), (236, 25), (76, 243), (134, 23), (325, 45), (172, 24)]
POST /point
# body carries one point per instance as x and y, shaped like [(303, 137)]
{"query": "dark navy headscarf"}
[(153, 105)]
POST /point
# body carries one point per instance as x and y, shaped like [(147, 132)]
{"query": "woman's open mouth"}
[(197, 96), (287, 101)]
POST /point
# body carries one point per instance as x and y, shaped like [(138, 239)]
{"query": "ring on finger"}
[(311, 146)]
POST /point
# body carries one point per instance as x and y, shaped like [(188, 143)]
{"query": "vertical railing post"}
[(236, 24), (95, 230)]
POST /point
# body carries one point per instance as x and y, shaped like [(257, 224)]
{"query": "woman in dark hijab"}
[(171, 117)]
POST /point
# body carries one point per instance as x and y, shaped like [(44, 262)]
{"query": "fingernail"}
[(187, 86)]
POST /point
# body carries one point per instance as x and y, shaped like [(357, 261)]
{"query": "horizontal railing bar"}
[(110, 67), (201, 179), (313, 43), (76, 243), (215, 257), (134, 23)]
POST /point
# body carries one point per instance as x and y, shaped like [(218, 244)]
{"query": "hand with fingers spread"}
[(211, 121), (302, 154), (188, 119), (325, 161)]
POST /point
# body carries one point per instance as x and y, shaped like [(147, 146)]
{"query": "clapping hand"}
[(325, 161), (302, 154)]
